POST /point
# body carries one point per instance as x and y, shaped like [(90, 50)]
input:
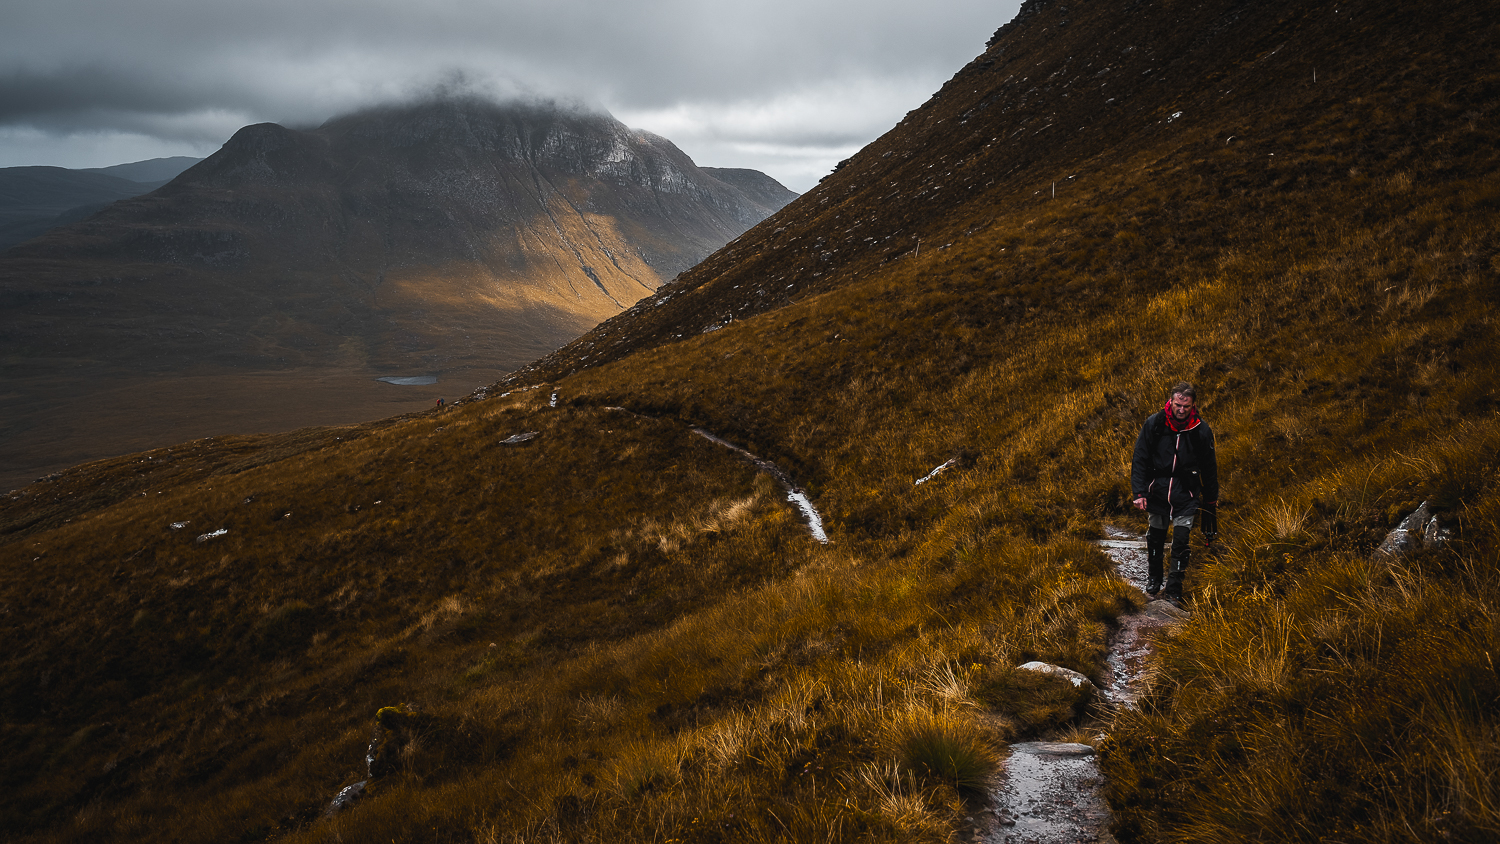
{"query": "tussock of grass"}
[(830, 742), (954, 751)]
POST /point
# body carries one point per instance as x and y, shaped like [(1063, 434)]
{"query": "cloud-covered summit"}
[(786, 86)]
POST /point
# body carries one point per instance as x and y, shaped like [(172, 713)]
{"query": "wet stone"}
[(1418, 530), (346, 798), (1164, 611), (1406, 537)]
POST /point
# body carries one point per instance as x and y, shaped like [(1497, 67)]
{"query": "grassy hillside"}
[(618, 630)]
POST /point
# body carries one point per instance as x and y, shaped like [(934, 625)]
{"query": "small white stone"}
[(1066, 673)]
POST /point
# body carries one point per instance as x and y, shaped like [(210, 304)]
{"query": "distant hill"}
[(755, 184), (436, 238), (152, 170), (32, 198)]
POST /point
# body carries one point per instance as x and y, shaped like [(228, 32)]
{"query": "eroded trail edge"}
[(1127, 665), (794, 494)]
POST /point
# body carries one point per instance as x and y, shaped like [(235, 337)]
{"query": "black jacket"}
[(1174, 471)]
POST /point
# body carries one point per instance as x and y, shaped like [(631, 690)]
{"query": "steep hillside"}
[(555, 611), (434, 239), (1169, 132)]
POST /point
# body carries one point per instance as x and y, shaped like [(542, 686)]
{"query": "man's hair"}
[(1183, 388)]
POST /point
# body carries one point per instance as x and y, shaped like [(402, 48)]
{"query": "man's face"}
[(1182, 406)]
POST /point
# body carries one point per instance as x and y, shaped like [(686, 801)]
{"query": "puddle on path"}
[(1052, 793)]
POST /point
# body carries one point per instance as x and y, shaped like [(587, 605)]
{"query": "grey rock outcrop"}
[(347, 797), (1420, 529), (1165, 611)]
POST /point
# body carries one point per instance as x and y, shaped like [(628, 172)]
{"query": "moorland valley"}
[(553, 611)]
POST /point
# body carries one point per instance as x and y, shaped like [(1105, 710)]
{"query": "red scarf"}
[(1187, 424)]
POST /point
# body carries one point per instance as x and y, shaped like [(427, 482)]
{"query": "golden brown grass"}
[(650, 642), (1321, 693)]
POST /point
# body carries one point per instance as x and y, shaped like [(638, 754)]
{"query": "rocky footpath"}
[(1053, 792)]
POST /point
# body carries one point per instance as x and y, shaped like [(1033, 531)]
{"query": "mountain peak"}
[(448, 235)]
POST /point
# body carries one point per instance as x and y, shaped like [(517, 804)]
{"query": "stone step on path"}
[(1053, 792), (1123, 544)]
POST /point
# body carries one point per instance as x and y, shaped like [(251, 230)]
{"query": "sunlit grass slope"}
[(617, 630)]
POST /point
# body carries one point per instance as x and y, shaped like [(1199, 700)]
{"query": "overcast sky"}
[(789, 87)]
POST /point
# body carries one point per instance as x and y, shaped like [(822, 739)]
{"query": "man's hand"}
[(1140, 503), (1209, 521)]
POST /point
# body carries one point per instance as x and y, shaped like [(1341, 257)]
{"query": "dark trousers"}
[(1156, 551)]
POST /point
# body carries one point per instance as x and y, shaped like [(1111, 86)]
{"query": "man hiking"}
[(1174, 476)]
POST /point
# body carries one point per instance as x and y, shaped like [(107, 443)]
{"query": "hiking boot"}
[(1180, 552), (1173, 590), (1156, 551)]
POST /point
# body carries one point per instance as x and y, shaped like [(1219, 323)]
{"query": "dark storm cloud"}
[(767, 82)]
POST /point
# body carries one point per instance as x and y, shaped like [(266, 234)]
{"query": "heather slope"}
[(617, 630)]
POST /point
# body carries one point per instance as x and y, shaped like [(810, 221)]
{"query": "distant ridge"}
[(755, 184), (34, 200), (158, 170)]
